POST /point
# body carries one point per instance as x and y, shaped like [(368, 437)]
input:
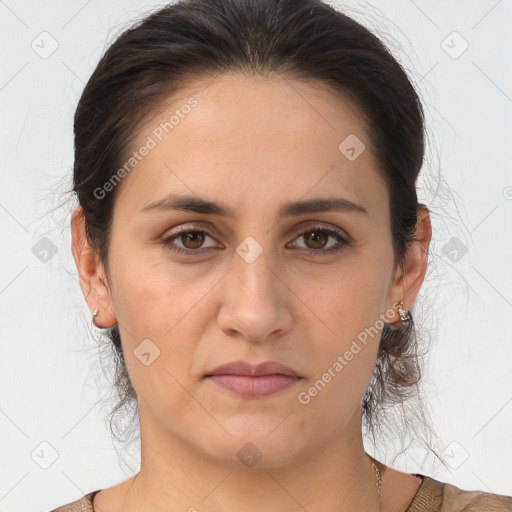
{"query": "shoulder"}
[(84, 504), (436, 496)]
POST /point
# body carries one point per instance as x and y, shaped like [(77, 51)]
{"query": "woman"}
[(248, 230)]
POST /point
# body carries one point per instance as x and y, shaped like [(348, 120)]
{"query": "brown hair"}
[(303, 39)]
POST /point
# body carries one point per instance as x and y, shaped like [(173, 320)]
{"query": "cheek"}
[(351, 300), (155, 298), (351, 306), (344, 358), (162, 321)]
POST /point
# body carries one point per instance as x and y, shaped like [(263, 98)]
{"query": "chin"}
[(256, 443)]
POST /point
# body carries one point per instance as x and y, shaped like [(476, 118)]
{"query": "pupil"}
[(195, 235), (317, 237)]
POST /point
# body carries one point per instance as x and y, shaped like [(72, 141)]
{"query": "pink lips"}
[(252, 381)]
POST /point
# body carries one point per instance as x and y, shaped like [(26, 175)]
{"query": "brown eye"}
[(192, 239), (188, 241), (317, 239)]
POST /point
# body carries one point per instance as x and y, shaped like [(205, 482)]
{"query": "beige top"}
[(432, 496)]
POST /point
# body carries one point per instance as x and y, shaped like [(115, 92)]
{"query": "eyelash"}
[(335, 249)]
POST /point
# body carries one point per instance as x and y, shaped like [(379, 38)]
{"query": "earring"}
[(404, 313), (95, 313)]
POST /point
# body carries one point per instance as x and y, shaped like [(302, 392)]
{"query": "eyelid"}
[(318, 225), (172, 235), (304, 227), (332, 231)]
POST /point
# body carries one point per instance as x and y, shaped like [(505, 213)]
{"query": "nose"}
[(255, 301)]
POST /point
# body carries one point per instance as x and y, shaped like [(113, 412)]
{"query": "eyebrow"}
[(294, 208)]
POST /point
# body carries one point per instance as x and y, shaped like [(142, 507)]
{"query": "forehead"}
[(266, 106), (253, 139)]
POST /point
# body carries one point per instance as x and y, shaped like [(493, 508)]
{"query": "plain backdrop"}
[(55, 446)]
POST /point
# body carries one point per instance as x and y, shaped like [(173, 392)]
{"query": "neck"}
[(334, 475)]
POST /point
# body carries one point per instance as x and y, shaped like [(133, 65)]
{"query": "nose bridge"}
[(257, 249), (254, 301), (253, 267)]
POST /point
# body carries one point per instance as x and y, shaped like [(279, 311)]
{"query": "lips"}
[(254, 381), (246, 368)]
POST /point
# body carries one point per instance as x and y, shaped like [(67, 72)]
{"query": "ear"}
[(407, 286), (91, 273)]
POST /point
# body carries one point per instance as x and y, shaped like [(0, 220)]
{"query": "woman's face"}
[(266, 281)]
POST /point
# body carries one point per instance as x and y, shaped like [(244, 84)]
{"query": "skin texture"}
[(253, 144)]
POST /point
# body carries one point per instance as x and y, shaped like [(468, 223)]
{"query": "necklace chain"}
[(379, 481)]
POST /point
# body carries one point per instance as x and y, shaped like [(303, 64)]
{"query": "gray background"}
[(55, 445)]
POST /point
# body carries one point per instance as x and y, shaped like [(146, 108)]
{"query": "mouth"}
[(254, 381)]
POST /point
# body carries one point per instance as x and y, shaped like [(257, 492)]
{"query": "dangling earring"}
[(404, 313)]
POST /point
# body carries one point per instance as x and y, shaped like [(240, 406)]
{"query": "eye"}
[(192, 240), (316, 238)]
